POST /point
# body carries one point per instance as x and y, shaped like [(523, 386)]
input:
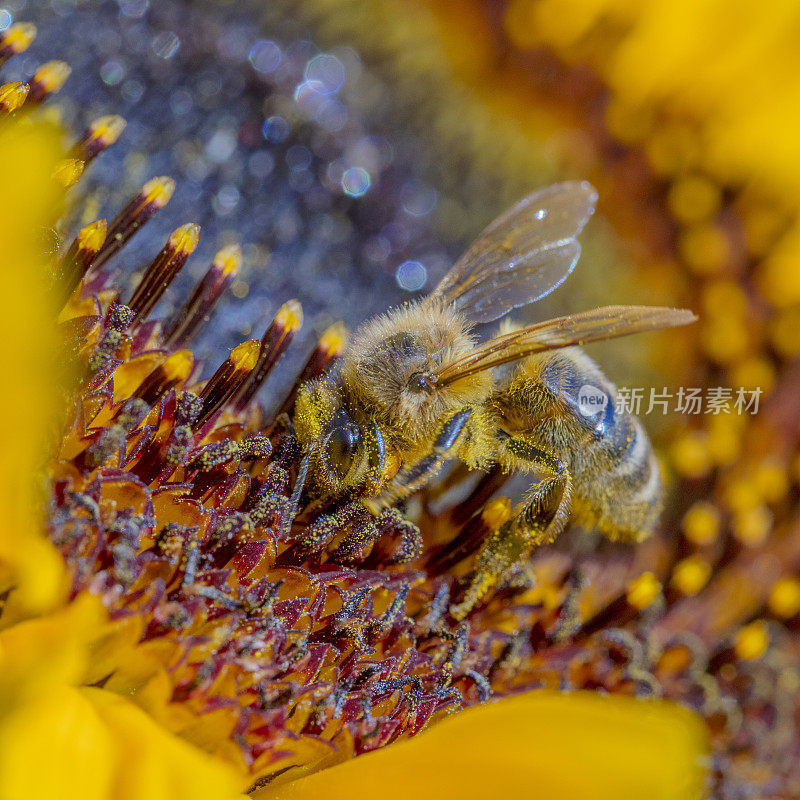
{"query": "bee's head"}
[(384, 399), (389, 371)]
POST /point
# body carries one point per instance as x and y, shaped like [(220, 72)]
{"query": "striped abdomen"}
[(564, 403)]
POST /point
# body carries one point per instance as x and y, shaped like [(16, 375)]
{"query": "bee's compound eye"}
[(341, 447)]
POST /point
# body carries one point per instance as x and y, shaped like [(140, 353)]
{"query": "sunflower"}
[(180, 632)]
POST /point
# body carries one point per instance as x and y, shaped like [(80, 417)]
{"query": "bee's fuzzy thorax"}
[(387, 350)]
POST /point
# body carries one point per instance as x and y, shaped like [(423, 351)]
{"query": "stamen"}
[(752, 641), (183, 324), (273, 345), (172, 372), (13, 96), (639, 595), (102, 133), (155, 194), (228, 379), (471, 537), (642, 591), (749, 643), (80, 255), (118, 318), (68, 172), (329, 348), (48, 80), (166, 265), (16, 39)]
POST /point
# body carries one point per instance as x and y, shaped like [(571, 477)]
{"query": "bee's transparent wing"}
[(607, 322), (523, 255)]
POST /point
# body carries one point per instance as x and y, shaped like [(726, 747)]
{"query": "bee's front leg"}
[(539, 520), (415, 476)]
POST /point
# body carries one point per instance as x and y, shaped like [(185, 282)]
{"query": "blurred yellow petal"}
[(542, 744), (48, 650), (55, 746), (154, 764), (29, 206)]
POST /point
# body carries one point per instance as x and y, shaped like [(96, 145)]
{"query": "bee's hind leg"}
[(538, 521)]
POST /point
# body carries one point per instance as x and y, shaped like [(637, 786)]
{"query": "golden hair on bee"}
[(388, 369)]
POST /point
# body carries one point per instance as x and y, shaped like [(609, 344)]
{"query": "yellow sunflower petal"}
[(29, 206), (154, 764), (542, 744), (48, 650), (55, 746)]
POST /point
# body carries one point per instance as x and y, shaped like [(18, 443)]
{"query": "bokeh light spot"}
[(355, 181), (275, 129), (265, 56), (326, 70), (411, 276), (166, 44)]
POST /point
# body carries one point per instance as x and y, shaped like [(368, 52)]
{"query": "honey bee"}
[(415, 388)]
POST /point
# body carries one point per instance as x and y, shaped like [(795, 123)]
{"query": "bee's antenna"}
[(294, 500)]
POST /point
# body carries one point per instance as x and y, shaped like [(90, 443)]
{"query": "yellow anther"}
[(701, 523), (642, 591), (68, 172), (741, 494), (694, 198), (751, 641), (158, 190), (334, 339), (778, 278), (18, 37), (178, 366), (724, 437), (690, 454), (784, 599), (771, 480), (107, 129), (229, 259), (704, 248), (752, 373), (185, 238), (724, 298), (13, 95), (245, 356), (290, 315), (725, 339), (92, 236), (52, 76), (690, 575)]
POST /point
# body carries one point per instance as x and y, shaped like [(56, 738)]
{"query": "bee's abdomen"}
[(577, 414), (626, 502)]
